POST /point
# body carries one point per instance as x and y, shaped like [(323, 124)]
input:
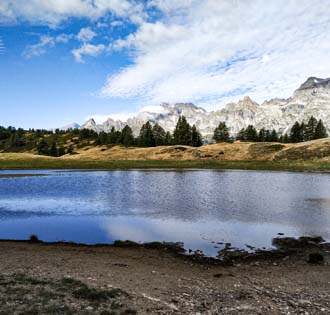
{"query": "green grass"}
[(124, 165)]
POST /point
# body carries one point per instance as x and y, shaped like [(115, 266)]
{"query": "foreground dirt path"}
[(158, 282)]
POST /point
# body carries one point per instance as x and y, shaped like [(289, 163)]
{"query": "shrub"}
[(34, 239)]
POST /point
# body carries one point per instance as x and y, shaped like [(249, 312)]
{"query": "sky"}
[(63, 61)]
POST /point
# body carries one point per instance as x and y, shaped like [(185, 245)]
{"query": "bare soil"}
[(38, 278)]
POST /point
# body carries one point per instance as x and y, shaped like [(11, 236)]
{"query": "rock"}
[(173, 307), (289, 243), (315, 258)]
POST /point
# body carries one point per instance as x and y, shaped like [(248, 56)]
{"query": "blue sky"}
[(50, 88), (66, 60)]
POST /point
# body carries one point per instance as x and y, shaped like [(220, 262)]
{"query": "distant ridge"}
[(312, 98)]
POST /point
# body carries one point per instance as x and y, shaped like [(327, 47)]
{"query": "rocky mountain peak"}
[(314, 82), (89, 124), (247, 101), (311, 99), (181, 108)]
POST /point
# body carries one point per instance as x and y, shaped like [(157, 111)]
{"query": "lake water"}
[(199, 207)]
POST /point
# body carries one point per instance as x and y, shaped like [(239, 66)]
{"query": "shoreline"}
[(132, 165), (282, 246), (158, 281)]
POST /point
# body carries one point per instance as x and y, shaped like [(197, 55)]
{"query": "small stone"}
[(173, 307)]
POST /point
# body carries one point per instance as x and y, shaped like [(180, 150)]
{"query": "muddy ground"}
[(38, 278)]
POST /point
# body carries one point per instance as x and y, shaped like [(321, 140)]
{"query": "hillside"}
[(316, 150), (237, 151)]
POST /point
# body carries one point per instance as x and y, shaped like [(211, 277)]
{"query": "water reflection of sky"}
[(197, 207)]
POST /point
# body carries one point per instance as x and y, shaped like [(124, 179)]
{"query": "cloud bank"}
[(53, 12), (204, 51), (86, 34), (213, 51), (45, 42), (87, 49)]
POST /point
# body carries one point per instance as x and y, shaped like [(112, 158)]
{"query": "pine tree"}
[(241, 135), (168, 140), (102, 138), (221, 133), (267, 136), (61, 151), (274, 136), (309, 130), (43, 148), (112, 136), (4, 133), (262, 135), (196, 137), (118, 137), (320, 131), (158, 134), (296, 133), (17, 138), (302, 131), (251, 133), (146, 138), (53, 150), (286, 139), (127, 137), (182, 133)]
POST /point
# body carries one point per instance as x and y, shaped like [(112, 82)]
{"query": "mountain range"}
[(312, 98)]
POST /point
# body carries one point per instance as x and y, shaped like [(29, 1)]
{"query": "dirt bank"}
[(73, 279)]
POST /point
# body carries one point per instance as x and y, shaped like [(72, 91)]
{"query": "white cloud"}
[(216, 51), (44, 43), (63, 38), (40, 48), (204, 51), (52, 12), (123, 116), (86, 34), (170, 6), (89, 50), (153, 109), (116, 23), (101, 24)]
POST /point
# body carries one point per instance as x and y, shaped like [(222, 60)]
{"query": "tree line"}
[(50, 143), (312, 130), (153, 135)]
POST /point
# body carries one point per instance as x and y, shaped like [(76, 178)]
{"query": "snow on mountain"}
[(312, 98)]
